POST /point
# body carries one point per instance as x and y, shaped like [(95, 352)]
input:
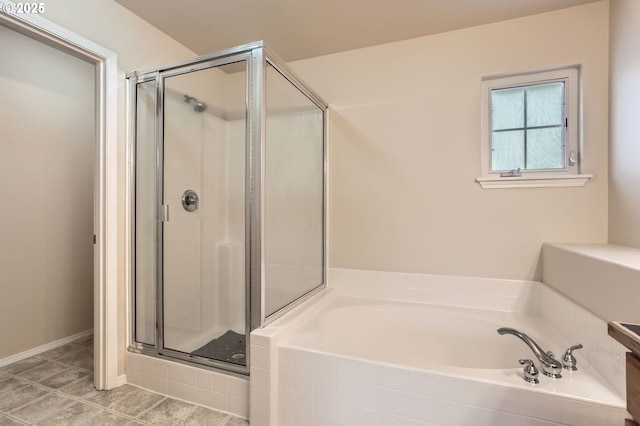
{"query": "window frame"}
[(567, 176)]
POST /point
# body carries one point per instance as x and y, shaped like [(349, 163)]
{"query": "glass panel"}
[(507, 108), (204, 240), (145, 215), (507, 150), (545, 105), (545, 148), (294, 200)]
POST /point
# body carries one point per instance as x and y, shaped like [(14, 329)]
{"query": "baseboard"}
[(121, 380), (43, 348)]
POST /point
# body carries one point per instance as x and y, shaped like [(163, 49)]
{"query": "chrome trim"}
[(294, 303), (529, 372), (279, 65), (550, 366), (139, 79), (220, 54), (131, 123), (162, 350), (132, 127), (212, 63), (569, 361), (283, 69), (159, 102), (190, 202), (256, 120), (325, 196), (150, 351), (221, 365)]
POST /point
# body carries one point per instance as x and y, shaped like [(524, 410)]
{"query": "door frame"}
[(105, 280)]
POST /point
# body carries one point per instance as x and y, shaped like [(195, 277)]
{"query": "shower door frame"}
[(229, 58), (260, 319), (257, 55), (216, 59)]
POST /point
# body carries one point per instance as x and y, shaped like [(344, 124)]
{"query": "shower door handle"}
[(190, 200)]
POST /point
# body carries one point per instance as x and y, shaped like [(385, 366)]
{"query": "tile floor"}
[(56, 388)]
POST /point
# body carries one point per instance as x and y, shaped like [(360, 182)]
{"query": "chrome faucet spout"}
[(550, 366)]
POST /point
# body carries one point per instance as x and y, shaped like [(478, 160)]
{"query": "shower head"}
[(198, 106)]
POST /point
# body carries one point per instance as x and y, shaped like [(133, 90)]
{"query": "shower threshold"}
[(230, 347)]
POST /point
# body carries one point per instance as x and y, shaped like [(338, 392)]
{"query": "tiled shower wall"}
[(204, 249), (182, 233), (294, 204)]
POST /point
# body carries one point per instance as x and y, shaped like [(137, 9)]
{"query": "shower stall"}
[(228, 195)]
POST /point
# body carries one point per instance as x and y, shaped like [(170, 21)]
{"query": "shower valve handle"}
[(190, 200)]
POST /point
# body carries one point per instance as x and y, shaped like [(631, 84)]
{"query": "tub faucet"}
[(550, 366)]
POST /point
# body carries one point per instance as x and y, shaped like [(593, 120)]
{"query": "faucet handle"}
[(568, 360), (530, 371)]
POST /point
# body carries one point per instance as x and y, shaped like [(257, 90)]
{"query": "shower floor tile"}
[(56, 388)]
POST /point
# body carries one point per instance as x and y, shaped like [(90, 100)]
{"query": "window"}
[(530, 130)]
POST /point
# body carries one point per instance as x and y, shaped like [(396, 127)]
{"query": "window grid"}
[(526, 128)]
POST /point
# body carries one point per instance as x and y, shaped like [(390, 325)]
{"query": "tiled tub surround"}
[(218, 391), (301, 383)]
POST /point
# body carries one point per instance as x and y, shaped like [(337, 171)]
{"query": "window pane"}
[(545, 105), (507, 150), (545, 148), (507, 108)]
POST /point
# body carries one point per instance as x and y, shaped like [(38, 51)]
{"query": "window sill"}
[(534, 181)]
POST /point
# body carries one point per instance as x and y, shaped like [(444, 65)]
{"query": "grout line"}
[(9, 416), (25, 404), (150, 408), (81, 400), (63, 406), (73, 399)]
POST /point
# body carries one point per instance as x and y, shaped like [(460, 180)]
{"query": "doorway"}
[(48, 137), (101, 185)]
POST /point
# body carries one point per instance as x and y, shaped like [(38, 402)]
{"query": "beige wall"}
[(405, 149), (624, 154), (138, 45), (46, 187)]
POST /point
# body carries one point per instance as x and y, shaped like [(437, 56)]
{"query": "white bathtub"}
[(355, 361), (422, 336)]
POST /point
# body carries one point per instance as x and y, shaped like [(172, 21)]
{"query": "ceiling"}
[(299, 29)]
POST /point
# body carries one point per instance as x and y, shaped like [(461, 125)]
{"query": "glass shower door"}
[(203, 204)]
